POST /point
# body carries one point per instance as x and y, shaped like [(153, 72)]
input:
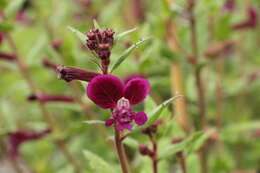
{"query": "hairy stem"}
[(121, 152)]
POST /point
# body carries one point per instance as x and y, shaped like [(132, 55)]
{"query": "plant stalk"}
[(121, 152)]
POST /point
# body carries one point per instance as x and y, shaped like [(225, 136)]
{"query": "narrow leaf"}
[(122, 34), (96, 25), (174, 148), (156, 113), (97, 163), (79, 34), (94, 122), (13, 7), (126, 53)]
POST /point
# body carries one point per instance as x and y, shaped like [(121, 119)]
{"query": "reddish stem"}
[(121, 152)]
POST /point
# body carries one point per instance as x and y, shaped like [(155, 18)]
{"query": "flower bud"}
[(56, 44), (47, 63), (219, 48), (69, 73), (42, 97), (15, 139), (144, 150), (8, 57)]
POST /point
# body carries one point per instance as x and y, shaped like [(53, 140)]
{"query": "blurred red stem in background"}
[(49, 119)]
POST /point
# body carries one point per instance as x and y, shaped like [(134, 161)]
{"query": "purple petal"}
[(136, 90), (109, 122), (105, 90), (124, 126), (140, 118)]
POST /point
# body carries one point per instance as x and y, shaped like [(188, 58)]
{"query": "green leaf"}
[(122, 34), (97, 163), (174, 148), (156, 113), (239, 127), (126, 53), (130, 142), (200, 141), (94, 122), (5, 27), (79, 34), (96, 25), (13, 7)]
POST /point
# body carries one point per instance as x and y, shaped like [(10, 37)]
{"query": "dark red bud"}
[(42, 97), (47, 63), (144, 150), (56, 44), (70, 73), (7, 56)]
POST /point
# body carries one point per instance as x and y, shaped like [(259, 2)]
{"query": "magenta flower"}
[(109, 92)]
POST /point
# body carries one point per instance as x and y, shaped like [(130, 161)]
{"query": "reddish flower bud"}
[(144, 150), (56, 44), (253, 76), (229, 5), (153, 128), (47, 63), (69, 73), (100, 42), (42, 97), (8, 57), (217, 49), (1, 37), (15, 139), (176, 141), (138, 10), (250, 23)]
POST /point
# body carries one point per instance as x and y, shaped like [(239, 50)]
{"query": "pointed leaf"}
[(122, 34), (94, 122), (126, 53), (96, 25), (79, 34), (156, 113), (174, 148), (13, 7), (97, 163)]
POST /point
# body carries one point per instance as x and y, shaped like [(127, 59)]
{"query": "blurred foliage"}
[(236, 148)]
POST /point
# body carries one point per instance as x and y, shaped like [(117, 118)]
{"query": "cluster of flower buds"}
[(101, 43), (15, 139), (42, 97), (145, 151), (152, 129)]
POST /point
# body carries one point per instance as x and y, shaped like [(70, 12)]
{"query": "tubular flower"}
[(109, 92)]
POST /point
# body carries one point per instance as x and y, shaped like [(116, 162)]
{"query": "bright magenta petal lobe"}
[(140, 118), (105, 90), (136, 90)]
